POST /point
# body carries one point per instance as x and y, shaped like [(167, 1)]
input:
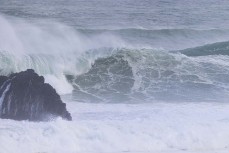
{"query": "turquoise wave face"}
[(219, 48)]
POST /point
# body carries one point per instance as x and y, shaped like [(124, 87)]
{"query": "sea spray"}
[(48, 48)]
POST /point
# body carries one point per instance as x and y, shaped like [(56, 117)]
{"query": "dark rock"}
[(2, 80), (25, 96)]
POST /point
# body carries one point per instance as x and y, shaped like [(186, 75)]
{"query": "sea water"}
[(137, 76)]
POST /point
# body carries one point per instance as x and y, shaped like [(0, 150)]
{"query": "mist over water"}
[(51, 48), (137, 76)]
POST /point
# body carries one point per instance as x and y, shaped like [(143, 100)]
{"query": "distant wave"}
[(219, 48), (168, 39), (159, 31)]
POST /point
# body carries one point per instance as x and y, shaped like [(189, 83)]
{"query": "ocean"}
[(138, 76)]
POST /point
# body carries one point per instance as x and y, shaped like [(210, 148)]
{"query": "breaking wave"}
[(154, 75), (105, 67), (124, 74)]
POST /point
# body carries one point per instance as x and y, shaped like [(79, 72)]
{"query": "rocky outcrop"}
[(2, 80), (25, 96)]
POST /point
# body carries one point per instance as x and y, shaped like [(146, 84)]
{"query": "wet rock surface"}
[(25, 96)]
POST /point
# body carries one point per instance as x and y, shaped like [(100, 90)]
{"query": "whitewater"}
[(110, 128), (137, 77)]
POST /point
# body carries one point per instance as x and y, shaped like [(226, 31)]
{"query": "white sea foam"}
[(113, 128), (60, 83)]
